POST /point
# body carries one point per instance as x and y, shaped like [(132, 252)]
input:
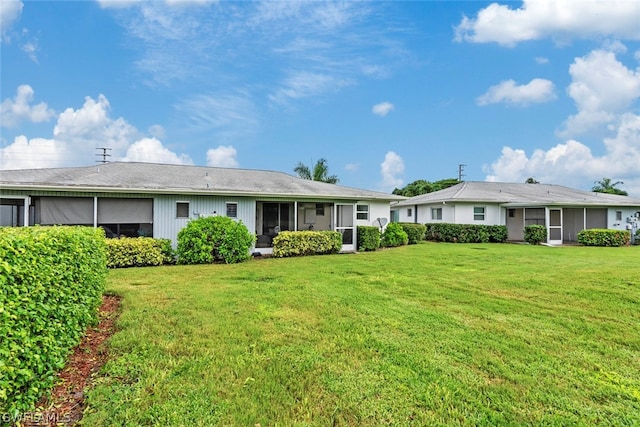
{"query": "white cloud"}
[(573, 163), (598, 100), (222, 156), (30, 48), (382, 109), (10, 11), (157, 131), (390, 168), (13, 111), (536, 91), (541, 60), (304, 84), (77, 134), (151, 150), (351, 167), (561, 20)]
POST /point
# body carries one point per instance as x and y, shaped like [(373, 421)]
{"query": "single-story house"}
[(157, 200), (564, 211)]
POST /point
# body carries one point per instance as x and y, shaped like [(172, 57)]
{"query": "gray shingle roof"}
[(180, 179), (519, 194)]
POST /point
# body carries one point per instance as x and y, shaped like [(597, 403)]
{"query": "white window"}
[(319, 209), (362, 212), (618, 215), (436, 213), (409, 212), (182, 209), (478, 213), (232, 210)]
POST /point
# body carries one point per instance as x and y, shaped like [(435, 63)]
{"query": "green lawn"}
[(430, 334)]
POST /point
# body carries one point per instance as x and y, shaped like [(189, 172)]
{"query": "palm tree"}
[(532, 180), (606, 186), (320, 172)]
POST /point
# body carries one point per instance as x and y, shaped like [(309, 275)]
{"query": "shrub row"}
[(297, 243), (138, 252), (415, 232), (51, 285), (368, 238), (466, 233), (214, 238), (604, 237)]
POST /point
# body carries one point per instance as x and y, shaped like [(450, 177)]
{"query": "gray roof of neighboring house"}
[(511, 194), (180, 179)]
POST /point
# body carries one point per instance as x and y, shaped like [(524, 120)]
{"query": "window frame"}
[(409, 212), (362, 214), (477, 216), (178, 205), (436, 214), (226, 210)]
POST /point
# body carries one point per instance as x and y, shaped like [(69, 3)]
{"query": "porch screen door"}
[(344, 224), (555, 226)]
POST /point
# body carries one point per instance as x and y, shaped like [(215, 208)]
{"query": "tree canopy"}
[(605, 185), (423, 187), (320, 172)]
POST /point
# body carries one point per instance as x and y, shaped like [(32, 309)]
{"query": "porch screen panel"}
[(125, 211), (596, 218), (66, 210)]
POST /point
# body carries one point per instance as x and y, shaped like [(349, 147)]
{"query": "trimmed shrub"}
[(535, 234), (214, 238), (138, 252), (497, 233), (458, 233), (604, 237), (394, 235), (415, 232), (368, 238), (298, 243), (51, 285)]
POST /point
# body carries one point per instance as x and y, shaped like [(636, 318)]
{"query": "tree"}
[(423, 187), (606, 186), (532, 180), (320, 172)]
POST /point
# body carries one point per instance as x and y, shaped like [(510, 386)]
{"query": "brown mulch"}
[(65, 405)]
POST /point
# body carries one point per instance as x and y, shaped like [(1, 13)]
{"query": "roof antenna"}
[(460, 170), (104, 154)]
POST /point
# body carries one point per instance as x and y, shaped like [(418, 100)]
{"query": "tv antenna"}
[(104, 154), (460, 170)]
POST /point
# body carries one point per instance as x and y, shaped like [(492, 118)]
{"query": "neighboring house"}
[(564, 211), (145, 199)]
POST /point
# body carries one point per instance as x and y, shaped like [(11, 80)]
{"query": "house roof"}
[(179, 179), (512, 194)]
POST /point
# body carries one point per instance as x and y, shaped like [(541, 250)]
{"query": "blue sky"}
[(387, 92)]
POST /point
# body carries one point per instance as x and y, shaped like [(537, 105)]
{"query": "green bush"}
[(297, 243), (497, 233), (415, 232), (394, 235), (459, 233), (138, 252), (368, 238), (51, 285), (604, 237), (535, 234), (214, 238)]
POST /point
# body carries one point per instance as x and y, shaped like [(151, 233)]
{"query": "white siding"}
[(616, 224), (167, 226), (376, 210)]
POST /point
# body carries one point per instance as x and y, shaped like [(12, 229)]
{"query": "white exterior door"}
[(345, 218), (555, 227)]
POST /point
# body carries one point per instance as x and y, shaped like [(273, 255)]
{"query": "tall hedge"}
[(214, 238), (368, 238), (394, 235), (51, 285), (535, 234), (297, 243), (415, 232)]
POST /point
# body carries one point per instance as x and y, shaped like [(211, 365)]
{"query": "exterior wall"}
[(515, 224), (167, 225), (614, 223), (376, 210)]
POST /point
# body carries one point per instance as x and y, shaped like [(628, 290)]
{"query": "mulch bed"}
[(65, 405)]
